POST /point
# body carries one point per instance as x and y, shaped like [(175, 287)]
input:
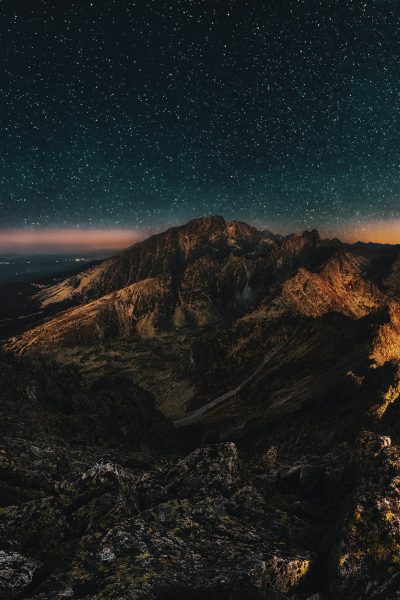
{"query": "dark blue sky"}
[(135, 114)]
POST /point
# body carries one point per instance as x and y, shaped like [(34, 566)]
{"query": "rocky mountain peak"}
[(313, 235), (210, 223), (203, 273)]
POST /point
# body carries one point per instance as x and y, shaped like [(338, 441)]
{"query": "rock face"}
[(338, 287), (279, 359), (392, 279), (369, 546), (189, 276), (17, 575), (225, 305)]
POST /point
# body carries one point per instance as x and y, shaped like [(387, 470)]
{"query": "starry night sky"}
[(118, 114)]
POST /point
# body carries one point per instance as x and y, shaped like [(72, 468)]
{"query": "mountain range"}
[(211, 413)]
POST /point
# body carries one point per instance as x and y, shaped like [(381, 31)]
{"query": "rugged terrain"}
[(212, 413)]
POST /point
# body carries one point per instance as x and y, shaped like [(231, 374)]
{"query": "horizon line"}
[(69, 239)]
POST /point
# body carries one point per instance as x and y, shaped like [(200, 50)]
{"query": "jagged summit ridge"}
[(168, 251), (202, 273), (192, 275)]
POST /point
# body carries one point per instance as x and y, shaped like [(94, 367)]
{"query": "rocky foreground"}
[(102, 499)]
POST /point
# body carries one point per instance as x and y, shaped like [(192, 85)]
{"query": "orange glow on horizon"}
[(70, 240), (67, 240), (386, 232)]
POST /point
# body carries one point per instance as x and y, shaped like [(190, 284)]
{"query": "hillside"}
[(193, 312)]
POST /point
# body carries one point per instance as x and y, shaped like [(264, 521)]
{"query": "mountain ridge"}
[(212, 274), (172, 251)]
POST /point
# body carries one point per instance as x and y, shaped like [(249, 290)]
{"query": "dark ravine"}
[(278, 360)]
